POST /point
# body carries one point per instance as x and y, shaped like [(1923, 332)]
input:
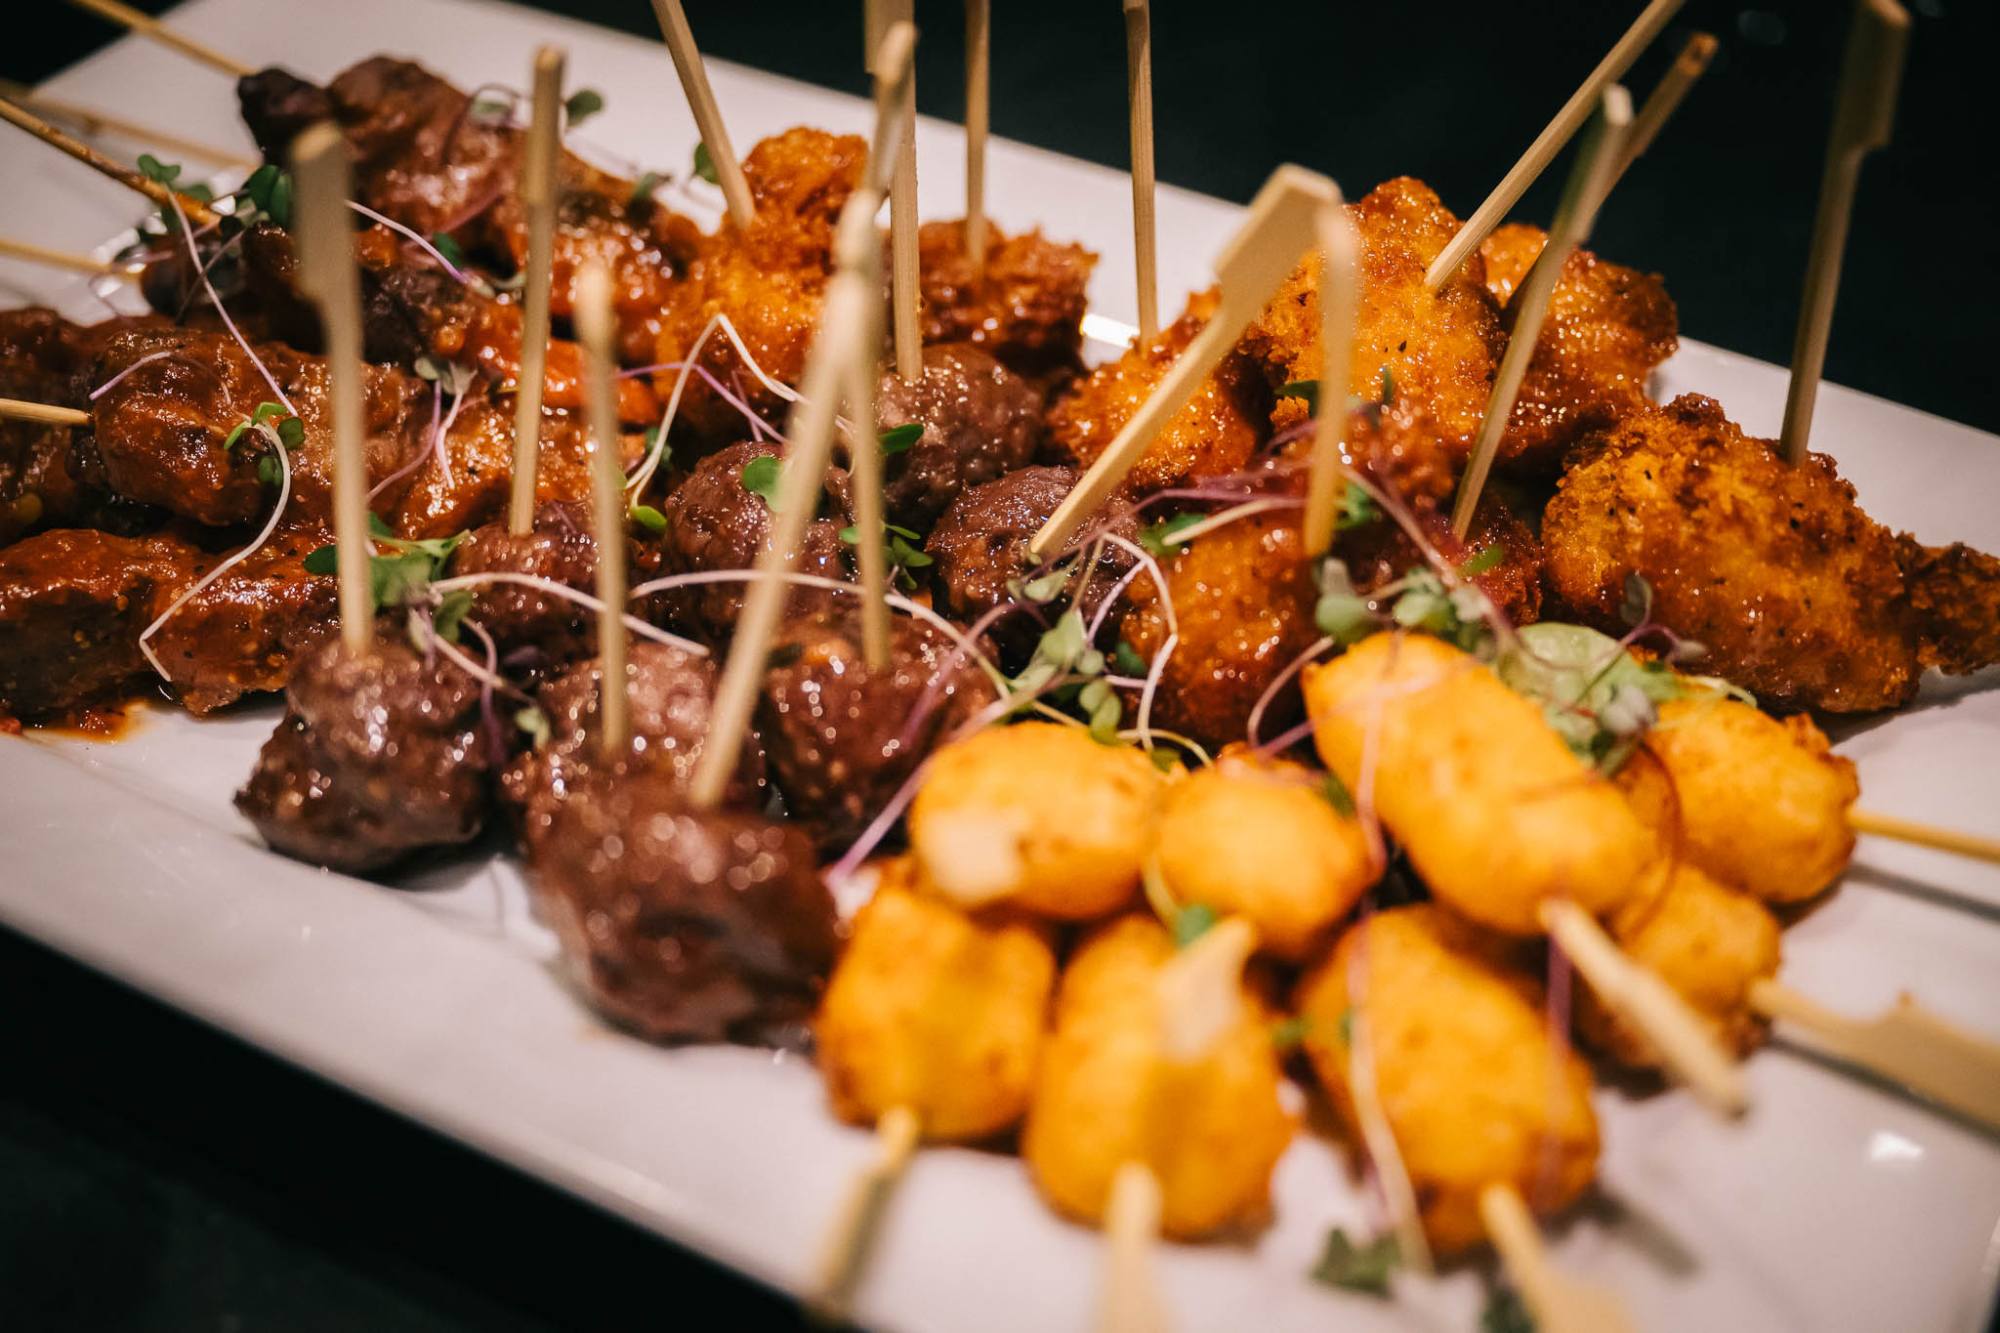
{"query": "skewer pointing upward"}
[(1339, 297), (327, 274), (707, 114), (1550, 141), (198, 213), (147, 26), (1869, 82), (1664, 100), (905, 294), (594, 327), (1139, 93), (978, 118), (1558, 1304), (538, 197)]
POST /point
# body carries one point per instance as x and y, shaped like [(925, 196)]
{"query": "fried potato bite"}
[(1037, 815), (1799, 596), (1215, 434), (936, 1010), (1707, 941), (1259, 838), (1756, 803), (1439, 349), (1495, 812), (1607, 328), (1471, 1087), (1211, 1129)]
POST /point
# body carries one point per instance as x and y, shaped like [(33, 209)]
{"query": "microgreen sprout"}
[(581, 105), (898, 439), (1192, 922), (642, 189), (704, 165), (649, 518), (903, 554), (400, 575), (1159, 538), (760, 477), (1365, 1267), (1306, 389)]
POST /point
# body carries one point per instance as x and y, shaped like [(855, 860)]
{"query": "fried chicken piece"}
[(1798, 594), (1607, 328), (1439, 348), (1215, 434), (1026, 308)]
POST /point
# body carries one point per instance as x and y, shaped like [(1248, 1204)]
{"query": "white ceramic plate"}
[(1834, 1205)]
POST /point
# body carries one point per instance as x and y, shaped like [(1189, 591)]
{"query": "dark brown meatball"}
[(841, 738), (980, 421), (531, 628), (713, 523), (668, 691), (378, 755), (979, 554), (685, 925)]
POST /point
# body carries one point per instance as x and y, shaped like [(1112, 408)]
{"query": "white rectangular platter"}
[(1835, 1205)]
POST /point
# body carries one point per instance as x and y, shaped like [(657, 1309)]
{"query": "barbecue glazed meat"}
[(1797, 593), (668, 692), (379, 754), (1608, 327), (1026, 308), (980, 422), (1215, 434), (534, 629), (72, 605), (1440, 348), (714, 523), (685, 925), (841, 738), (470, 485), (246, 632)]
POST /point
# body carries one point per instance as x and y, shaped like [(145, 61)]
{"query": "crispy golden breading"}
[(1212, 1129), (1607, 328), (936, 1010), (1214, 435), (1026, 308), (1708, 942), (1757, 803), (1440, 347), (1473, 1091), (1797, 593)]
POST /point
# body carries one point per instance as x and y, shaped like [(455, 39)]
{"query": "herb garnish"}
[(1481, 561), (1365, 1267), (1288, 1033), (704, 165), (402, 575), (903, 555), (1505, 1313), (1159, 539), (581, 105), (897, 439), (453, 252), (1306, 389), (268, 194), (1388, 385), (1127, 660), (649, 518), (1192, 922), (760, 477), (1336, 794), (642, 189)]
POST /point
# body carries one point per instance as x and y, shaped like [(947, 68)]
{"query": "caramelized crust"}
[(1026, 308)]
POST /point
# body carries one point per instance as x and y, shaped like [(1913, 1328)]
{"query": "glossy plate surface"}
[(1834, 1205)]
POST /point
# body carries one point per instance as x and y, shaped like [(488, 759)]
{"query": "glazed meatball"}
[(980, 421), (531, 628), (680, 924), (379, 754)]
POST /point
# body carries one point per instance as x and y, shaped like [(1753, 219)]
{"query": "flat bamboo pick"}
[(596, 331), (198, 213), (1907, 1044), (905, 291), (538, 196), (1139, 95), (1131, 1225), (48, 414), (849, 1242), (978, 119), (92, 121), (1636, 995), (1663, 101), (1581, 199), (707, 114), (1550, 141), (1339, 297), (327, 274), (1925, 835), (42, 254), (1200, 989), (147, 26), (844, 317), (1869, 81), (1281, 226), (1559, 1304), (894, 66)]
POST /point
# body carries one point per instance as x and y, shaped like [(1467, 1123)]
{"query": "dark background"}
[(156, 1175)]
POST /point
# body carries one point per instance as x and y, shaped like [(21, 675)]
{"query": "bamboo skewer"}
[(1550, 141), (595, 329), (47, 414), (978, 120), (1139, 95), (1663, 101), (849, 1242), (1131, 1301), (1559, 1304), (147, 26), (42, 254), (89, 120), (197, 212), (1907, 1044), (707, 114), (905, 293), (862, 253), (1581, 199), (1925, 835), (327, 274), (538, 197), (1869, 81), (1280, 227), (1339, 298), (893, 67)]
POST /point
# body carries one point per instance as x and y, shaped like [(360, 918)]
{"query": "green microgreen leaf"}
[(450, 613), (444, 243), (899, 438), (704, 165), (269, 190), (535, 723), (322, 560), (1636, 607), (267, 412), (1101, 707), (581, 105), (1342, 614), (291, 432), (163, 173), (1126, 660), (1306, 389), (229, 440), (1388, 385), (1288, 1033), (649, 518), (270, 471), (760, 477), (1336, 794), (1159, 538), (490, 109), (1357, 509), (1044, 589), (1365, 1267), (642, 189), (1505, 1313), (1486, 558), (1192, 922)]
